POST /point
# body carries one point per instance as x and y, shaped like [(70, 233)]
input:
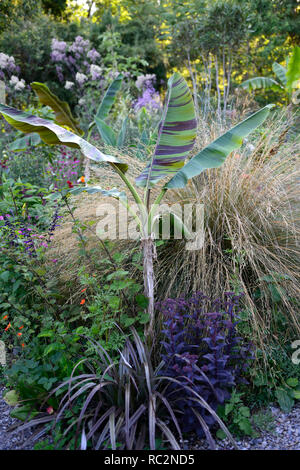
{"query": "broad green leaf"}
[(53, 134), (280, 72), (61, 109), (258, 83), (106, 132), (292, 382), (122, 133), (24, 412), (245, 426), (293, 69), (176, 136), (109, 98), (284, 399), (96, 189), (11, 398), (296, 394), (30, 140), (215, 154)]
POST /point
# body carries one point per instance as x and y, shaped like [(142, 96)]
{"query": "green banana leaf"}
[(106, 132), (216, 153), (176, 136), (114, 192), (122, 133), (293, 69), (53, 134), (280, 72), (61, 109), (258, 83), (109, 98), (30, 140)]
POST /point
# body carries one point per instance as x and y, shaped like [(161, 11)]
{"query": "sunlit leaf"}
[(176, 136), (216, 153), (61, 109)]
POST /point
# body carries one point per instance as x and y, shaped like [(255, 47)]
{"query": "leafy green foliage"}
[(61, 109), (237, 416)]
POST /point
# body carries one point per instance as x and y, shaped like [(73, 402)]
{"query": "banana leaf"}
[(122, 133), (53, 134), (61, 109), (106, 132), (114, 192), (258, 83), (280, 72), (176, 136), (293, 70), (30, 140), (216, 153), (109, 98)]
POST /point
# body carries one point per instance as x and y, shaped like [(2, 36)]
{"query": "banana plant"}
[(106, 132), (175, 140), (286, 76)]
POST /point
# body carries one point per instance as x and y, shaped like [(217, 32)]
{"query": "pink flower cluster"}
[(65, 168)]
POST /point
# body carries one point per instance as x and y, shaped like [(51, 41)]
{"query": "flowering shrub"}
[(9, 72), (150, 97), (203, 350), (64, 170), (75, 63)]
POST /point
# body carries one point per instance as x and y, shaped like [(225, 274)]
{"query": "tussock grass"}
[(251, 207)]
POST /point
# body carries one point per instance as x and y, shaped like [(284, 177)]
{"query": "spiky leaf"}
[(176, 136), (61, 109), (53, 134), (215, 153)]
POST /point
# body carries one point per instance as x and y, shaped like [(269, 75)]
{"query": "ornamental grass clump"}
[(203, 351), (251, 233)]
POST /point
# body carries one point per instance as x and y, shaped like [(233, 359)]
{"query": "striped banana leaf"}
[(176, 136), (293, 70), (61, 109), (280, 72), (53, 134), (258, 83), (216, 153)]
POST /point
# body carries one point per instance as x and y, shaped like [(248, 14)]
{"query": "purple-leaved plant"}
[(202, 349)]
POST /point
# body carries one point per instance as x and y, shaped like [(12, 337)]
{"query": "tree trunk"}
[(149, 252)]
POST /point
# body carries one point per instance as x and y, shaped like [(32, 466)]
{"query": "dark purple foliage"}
[(203, 349)]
